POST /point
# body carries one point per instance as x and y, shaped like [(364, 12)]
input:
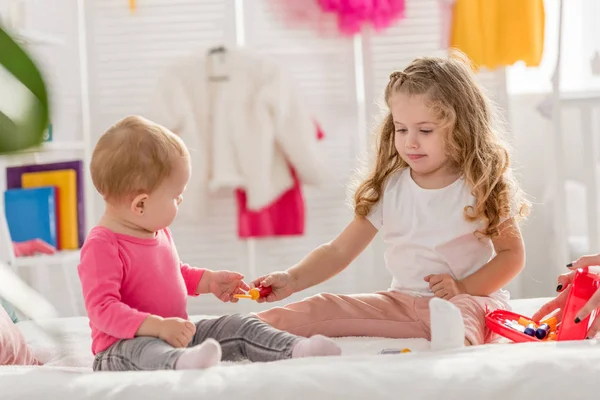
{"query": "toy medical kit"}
[(519, 328)]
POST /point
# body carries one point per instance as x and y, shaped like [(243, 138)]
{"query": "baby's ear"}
[(138, 204)]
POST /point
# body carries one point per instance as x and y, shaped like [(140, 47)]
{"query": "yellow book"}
[(65, 181)]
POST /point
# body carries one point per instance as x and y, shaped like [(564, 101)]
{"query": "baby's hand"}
[(224, 284), (445, 286), (176, 331)]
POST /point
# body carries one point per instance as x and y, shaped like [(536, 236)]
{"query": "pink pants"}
[(381, 314)]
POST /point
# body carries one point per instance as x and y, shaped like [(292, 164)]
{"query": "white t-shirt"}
[(425, 232)]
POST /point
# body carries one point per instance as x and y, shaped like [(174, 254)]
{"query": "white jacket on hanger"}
[(243, 120)]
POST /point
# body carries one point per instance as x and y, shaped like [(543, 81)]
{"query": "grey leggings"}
[(241, 337)]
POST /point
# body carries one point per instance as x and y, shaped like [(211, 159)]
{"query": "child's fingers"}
[(187, 337), (269, 280), (428, 277), (243, 286), (435, 279), (225, 297), (234, 276), (177, 342), (437, 287), (239, 290), (257, 281), (190, 327), (185, 340), (271, 298)]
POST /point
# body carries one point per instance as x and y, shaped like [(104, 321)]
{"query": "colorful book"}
[(65, 180), (13, 181), (31, 214)]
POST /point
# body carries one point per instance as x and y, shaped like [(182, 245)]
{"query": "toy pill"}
[(394, 351), (255, 293), (542, 331), (552, 322), (515, 325), (530, 330), (525, 322), (551, 336)]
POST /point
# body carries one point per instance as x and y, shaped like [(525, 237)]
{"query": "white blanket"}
[(501, 371)]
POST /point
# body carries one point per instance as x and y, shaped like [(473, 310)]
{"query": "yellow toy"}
[(255, 293)]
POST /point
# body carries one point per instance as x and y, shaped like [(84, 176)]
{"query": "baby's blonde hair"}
[(133, 157), (473, 143)]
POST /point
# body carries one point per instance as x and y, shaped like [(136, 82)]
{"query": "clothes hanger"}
[(217, 61), (217, 50)]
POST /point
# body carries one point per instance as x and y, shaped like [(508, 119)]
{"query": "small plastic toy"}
[(519, 328), (255, 293), (394, 351)]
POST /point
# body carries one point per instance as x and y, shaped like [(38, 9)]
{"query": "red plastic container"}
[(584, 285)]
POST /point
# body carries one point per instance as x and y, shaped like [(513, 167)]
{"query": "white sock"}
[(205, 355), (447, 325), (316, 346)]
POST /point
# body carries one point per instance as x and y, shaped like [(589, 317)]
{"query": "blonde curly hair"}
[(473, 143)]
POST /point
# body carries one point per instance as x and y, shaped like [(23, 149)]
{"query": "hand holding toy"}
[(255, 293), (569, 323)]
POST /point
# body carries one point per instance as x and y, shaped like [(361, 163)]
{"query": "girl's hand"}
[(224, 284), (282, 284), (445, 286)]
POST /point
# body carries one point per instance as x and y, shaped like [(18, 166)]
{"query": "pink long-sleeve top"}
[(124, 279)]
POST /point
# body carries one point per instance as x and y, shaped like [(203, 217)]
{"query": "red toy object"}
[(32, 247), (255, 293), (584, 285)]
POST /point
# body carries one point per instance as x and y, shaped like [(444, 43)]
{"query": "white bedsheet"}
[(502, 371)]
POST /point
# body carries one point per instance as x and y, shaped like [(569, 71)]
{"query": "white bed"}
[(501, 371)]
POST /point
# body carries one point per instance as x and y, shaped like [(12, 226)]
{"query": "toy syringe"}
[(255, 293)]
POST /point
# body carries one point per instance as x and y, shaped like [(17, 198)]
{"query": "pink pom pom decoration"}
[(353, 15)]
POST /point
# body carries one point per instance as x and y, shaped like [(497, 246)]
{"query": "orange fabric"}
[(497, 33)]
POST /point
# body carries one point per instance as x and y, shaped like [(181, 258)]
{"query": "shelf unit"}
[(49, 147), (42, 263), (65, 259), (30, 38), (62, 257)]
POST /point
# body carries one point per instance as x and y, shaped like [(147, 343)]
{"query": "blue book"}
[(31, 214)]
